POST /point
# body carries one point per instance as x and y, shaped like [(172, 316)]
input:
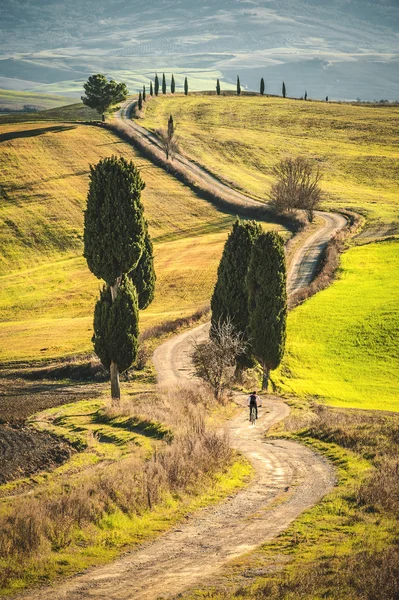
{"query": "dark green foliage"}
[(262, 86), (156, 85), (238, 86), (171, 127), (306, 95), (144, 94), (143, 276), (230, 296), (172, 85), (284, 90), (163, 84), (267, 299), (116, 326), (218, 87), (101, 94), (151, 89), (140, 102), (186, 86), (114, 225)]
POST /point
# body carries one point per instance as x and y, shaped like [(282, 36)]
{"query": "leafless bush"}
[(382, 489), (297, 186), (143, 356), (215, 360), (169, 142)]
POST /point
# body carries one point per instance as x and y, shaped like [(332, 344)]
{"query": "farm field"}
[(342, 344), (240, 139), (47, 293), (17, 100)]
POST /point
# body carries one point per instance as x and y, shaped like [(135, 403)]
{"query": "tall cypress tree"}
[(262, 86), (172, 85), (230, 296), (218, 87), (238, 86), (140, 102), (284, 90), (114, 237), (144, 94), (163, 83), (143, 276), (156, 85), (151, 89), (186, 86), (306, 95), (267, 304), (171, 127)]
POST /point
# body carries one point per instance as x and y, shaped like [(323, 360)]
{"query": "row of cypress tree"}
[(118, 250), (251, 292)]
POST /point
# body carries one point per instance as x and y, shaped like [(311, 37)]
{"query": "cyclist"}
[(253, 402)]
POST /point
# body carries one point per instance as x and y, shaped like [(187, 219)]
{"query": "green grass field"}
[(47, 293), (342, 344), (241, 138), (17, 100)]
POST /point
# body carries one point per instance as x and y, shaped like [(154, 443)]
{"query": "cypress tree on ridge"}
[(163, 83), (267, 303), (172, 85), (218, 87), (114, 238), (151, 89), (186, 86), (144, 94), (262, 86), (156, 85), (284, 90), (140, 101), (238, 86), (230, 295), (171, 127)]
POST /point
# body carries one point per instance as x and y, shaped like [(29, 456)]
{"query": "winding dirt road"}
[(289, 478)]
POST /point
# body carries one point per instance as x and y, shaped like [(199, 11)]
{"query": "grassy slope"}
[(342, 344), (47, 293), (17, 100), (240, 139)]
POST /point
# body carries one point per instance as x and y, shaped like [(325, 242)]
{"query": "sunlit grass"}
[(342, 344), (241, 138)]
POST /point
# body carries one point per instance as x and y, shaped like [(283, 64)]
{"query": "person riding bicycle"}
[(253, 402)]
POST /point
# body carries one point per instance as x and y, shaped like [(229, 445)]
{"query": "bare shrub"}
[(169, 142), (297, 186), (382, 489), (215, 360), (143, 356)]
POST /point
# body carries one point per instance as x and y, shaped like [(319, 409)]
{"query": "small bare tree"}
[(168, 139), (215, 360), (297, 186)]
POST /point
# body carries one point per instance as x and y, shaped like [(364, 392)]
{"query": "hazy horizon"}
[(345, 49)]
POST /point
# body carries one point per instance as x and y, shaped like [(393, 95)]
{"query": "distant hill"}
[(342, 48)]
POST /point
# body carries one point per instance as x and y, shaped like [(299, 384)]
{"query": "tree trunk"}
[(115, 387), (265, 378)]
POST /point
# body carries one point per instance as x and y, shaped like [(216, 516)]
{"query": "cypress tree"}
[(151, 89), (262, 86), (143, 276), (238, 86), (140, 102), (171, 127), (156, 85), (306, 95), (114, 236), (172, 85), (116, 329), (144, 94), (163, 83), (186, 86), (218, 87), (284, 90), (230, 296), (267, 304)]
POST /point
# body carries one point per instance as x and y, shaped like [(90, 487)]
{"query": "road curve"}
[(289, 478)]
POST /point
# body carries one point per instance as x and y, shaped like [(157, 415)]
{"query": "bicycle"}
[(253, 416)]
